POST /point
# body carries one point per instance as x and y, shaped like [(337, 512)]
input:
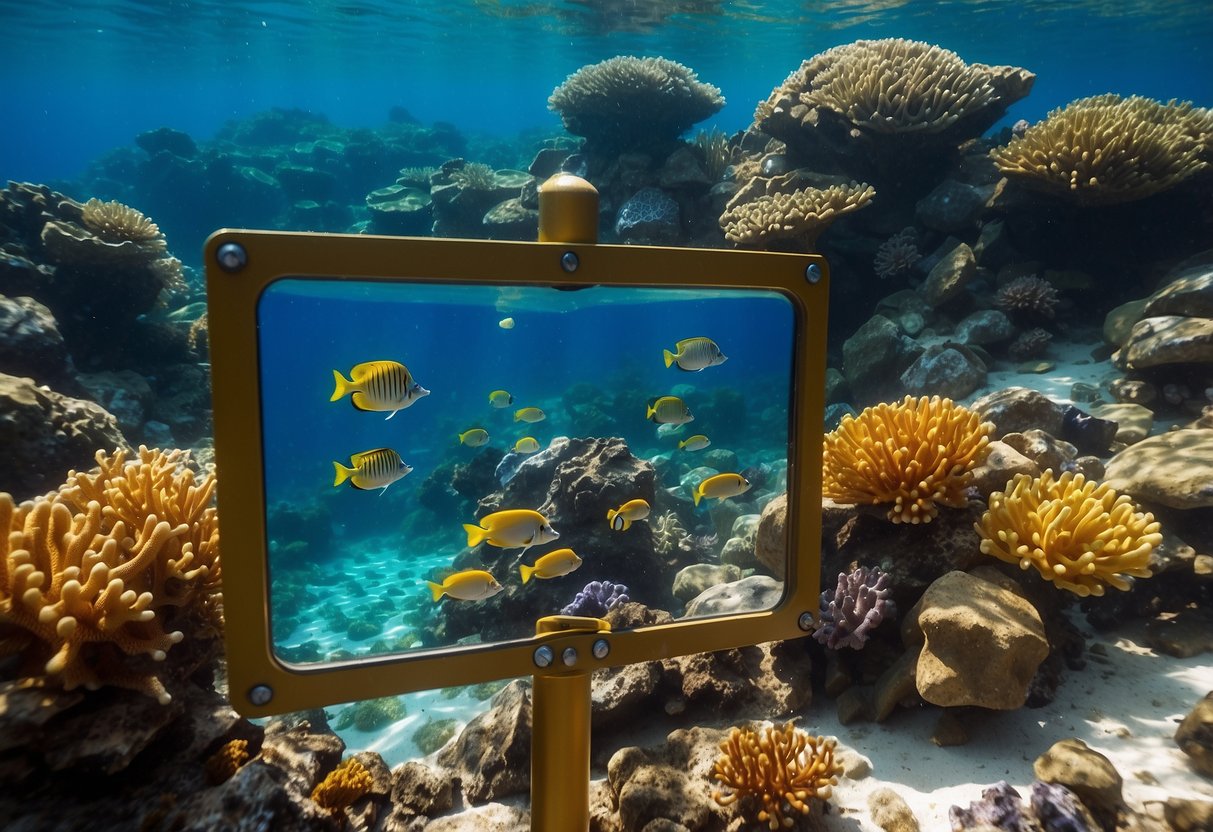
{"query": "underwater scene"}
[(1015, 200)]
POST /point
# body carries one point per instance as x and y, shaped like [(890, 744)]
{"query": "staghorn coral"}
[(854, 608), (1080, 535), (225, 762), (475, 176), (1107, 149), (628, 102), (792, 220), (115, 222), (784, 768), (91, 576), (897, 254), (917, 455), (342, 786), (416, 177), (1029, 295)]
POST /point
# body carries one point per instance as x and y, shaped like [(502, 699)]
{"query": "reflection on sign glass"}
[(445, 464)]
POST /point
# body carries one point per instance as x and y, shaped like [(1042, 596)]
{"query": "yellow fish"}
[(695, 443), (620, 519), (552, 565), (468, 585), (526, 445), (474, 438), (669, 410), (378, 385), (500, 398), (511, 529), (695, 354), (506, 323), (721, 486), (372, 469), (529, 414)]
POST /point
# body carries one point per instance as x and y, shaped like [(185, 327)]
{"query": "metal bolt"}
[(601, 648), (231, 257), (544, 656), (260, 694), (569, 261), (569, 656), (805, 621), (812, 273)]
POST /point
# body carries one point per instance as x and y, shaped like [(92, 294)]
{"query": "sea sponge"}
[(627, 102), (94, 573), (917, 455), (783, 768), (342, 786), (1080, 535), (225, 762), (792, 220), (1107, 149), (1029, 294)]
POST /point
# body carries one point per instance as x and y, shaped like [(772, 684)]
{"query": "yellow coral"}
[(99, 568), (343, 785), (1080, 535), (796, 218), (784, 768), (917, 455), (225, 762), (115, 222)]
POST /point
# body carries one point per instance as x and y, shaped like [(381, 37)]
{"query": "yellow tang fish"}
[(669, 410), (474, 438), (552, 565), (721, 486), (468, 585), (620, 519), (506, 323), (372, 469), (526, 445), (695, 443), (529, 414), (695, 354), (500, 398), (511, 529), (378, 385)]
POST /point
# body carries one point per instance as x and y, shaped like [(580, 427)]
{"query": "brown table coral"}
[(792, 221)]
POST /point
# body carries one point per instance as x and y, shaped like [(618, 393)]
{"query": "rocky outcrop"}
[(1174, 469), (492, 755)]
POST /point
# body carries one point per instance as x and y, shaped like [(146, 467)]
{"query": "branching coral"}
[(95, 573), (475, 176), (342, 786), (917, 455), (793, 220), (785, 769), (854, 608), (1108, 149), (1080, 535)]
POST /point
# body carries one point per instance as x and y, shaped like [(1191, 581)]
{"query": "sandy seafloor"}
[(1126, 703)]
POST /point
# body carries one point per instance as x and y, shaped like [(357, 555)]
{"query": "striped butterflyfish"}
[(378, 385), (373, 469), (694, 354)]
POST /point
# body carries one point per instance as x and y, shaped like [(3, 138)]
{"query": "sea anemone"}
[(1029, 295), (897, 254)]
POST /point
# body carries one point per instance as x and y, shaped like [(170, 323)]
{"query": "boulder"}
[(1168, 339), (697, 578), (1133, 421), (1087, 773), (948, 278), (1001, 465), (952, 371), (987, 326), (662, 787), (1174, 469), (30, 342), (771, 541), (953, 206), (1186, 291), (492, 755), (877, 353), (1195, 736), (757, 592), (1118, 324)]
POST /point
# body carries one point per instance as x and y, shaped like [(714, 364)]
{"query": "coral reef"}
[(785, 768), (897, 255), (342, 786), (372, 714), (917, 455), (1081, 535), (225, 762), (114, 222), (792, 221), (1028, 295), (598, 598), (854, 608), (1107, 149)]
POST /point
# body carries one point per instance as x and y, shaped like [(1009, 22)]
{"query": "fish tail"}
[(475, 533), (682, 444), (341, 473), (669, 357), (698, 495), (435, 589), (527, 572), (611, 516), (649, 411), (342, 385)]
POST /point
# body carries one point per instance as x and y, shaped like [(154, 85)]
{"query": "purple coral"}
[(596, 599), (999, 807), (853, 609), (1058, 809)]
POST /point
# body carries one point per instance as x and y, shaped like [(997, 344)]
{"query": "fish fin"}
[(682, 444), (611, 516), (698, 495), (668, 356), (527, 572), (627, 524), (436, 590), (341, 473), (390, 415), (475, 534), (341, 386)]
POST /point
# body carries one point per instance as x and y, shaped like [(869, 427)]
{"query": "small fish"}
[(721, 486), (620, 519), (665, 431), (500, 399), (526, 445), (468, 585), (669, 410), (695, 354), (506, 323), (511, 529), (378, 385), (372, 469), (529, 414), (552, 565), (474, 438), (695, 443)]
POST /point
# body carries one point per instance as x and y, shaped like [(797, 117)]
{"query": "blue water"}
[(83, 77)]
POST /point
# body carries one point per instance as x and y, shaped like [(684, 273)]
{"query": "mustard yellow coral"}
[(784, 768), (917, 455), (225, 762), (1077, 534), (343, 785)]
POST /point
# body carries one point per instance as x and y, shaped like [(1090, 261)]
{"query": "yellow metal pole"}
[(568, 210)]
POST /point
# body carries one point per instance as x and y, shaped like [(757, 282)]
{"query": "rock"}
[(1133, 391), (621, 694), (1187, 291), (953, 206), (125, 394), (682, 170), (983, 644), (948, 278), (771, 541), (1042, 449), (511, 220), (1169, 339), (874, 355), (1118, 324), (1001, 465), (890, 811), (949, 731), (944, 370), (739, 552), (987, 326), (399, 209), (1195, 736), (768, 679), (492, 755), (1174, 469), (896, 686), (722, 459), (167, 140), (30, 342), (649, 216), (1133, 422), (697, 578), (1060, 810), (1087, 773), (421, 789), (304, 753), (1189, 815), (665, 782), (1018, 409), (1000, 808), (547, 162), (757, 592), (1089, 434), (258, 796), (1185, 633)]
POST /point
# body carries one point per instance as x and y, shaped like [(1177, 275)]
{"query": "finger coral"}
[(793, 220), (854, 608), (917, 454), (1077, 534), (342, 786), (784, 768), (93, 576), (1107, 149)]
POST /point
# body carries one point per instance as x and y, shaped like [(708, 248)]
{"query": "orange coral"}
[(343, 785), (917, 455), (225, 762), (1079, 535), (784, 768)]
